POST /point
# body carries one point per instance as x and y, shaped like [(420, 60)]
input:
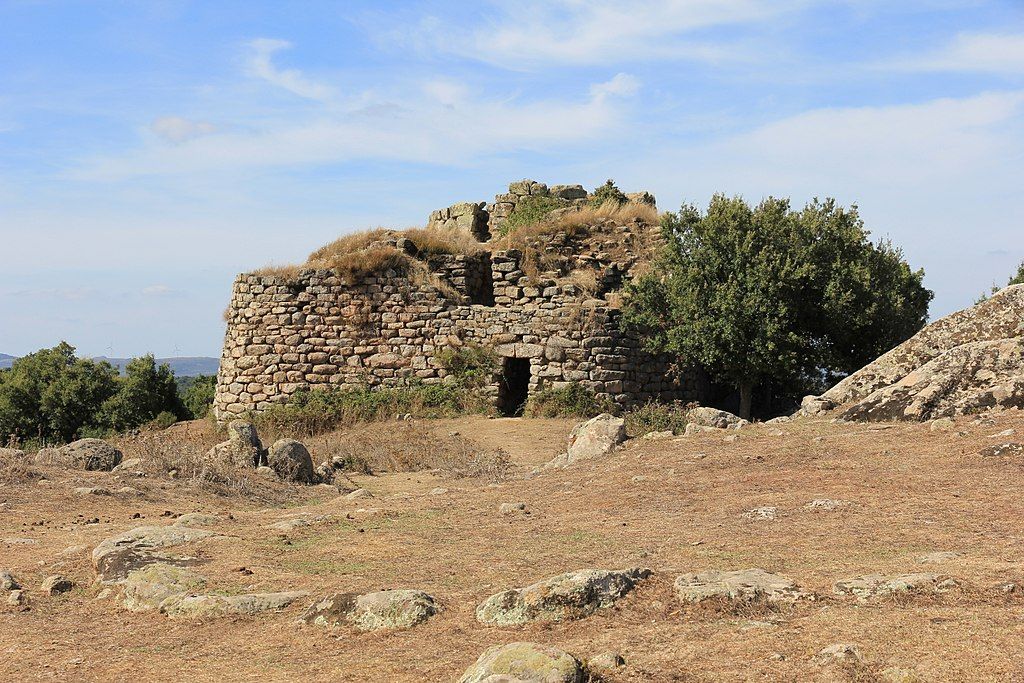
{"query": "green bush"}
[(608, 192), (657, 417), (470, 365), (573, 400), (163, 420), (197, 395), (530, 210), (313, 412)]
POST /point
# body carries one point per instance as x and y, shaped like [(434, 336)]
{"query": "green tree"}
[(146, 391), (769, 295), (1017, 279), (53, 395), (198, 394)]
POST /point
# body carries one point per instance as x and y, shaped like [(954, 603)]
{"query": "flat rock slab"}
[(372, 611), (199, 606), (876, 586), (147, 588), (197, 519), (115, 557), (567, 596), (1002, 449), (745, 584), (291, 523), (524, 663)]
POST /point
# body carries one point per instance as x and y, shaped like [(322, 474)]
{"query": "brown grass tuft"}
[(15, 469)]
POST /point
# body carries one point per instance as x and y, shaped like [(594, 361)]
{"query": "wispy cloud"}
[(532, 33), (998, 53), (177, 129), (260, 65)]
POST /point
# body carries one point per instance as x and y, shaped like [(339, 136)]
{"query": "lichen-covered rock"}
[(84, 454), (115, 557), (567, 596), (877, 586), (145, 589), (291, 461), (199, 606), (965, 362), (7, 581), (712, 417), (388, 609), (591, 439), (243, 447), (742, 585), (56, 584), (524, 663)]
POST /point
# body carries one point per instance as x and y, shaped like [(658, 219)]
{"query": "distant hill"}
[(183, 367)]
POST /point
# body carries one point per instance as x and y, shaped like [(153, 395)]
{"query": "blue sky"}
[(149, 151)]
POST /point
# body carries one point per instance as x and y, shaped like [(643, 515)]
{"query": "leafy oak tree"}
[(767, 295)]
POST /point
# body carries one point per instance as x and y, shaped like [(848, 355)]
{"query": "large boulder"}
[(738, 586), (968, 361), (84, 454), (386, 609), (593, 438), (243, 447), (567, 596), (524, 663), (291, 460), (712, 417)]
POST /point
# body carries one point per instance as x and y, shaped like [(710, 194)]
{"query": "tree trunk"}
[(746, 398)]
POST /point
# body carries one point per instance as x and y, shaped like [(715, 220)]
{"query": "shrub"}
[(470, 365), (654, 416), (197, 395), (573, 400), (608, 193), (531, 210), (163, 420)]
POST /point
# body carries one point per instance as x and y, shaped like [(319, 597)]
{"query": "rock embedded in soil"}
[(199, 606), (524, 663), (16, 598), (91, 491), (743, 585), (291, 461), (511, 508), (1002, 449), (388, 609), (118, 555), (197, 519), (56, 584), (85, 454), (766, 513), (875, 585), (826, 504), (839, 653), (145, 589), (572, 595), (605, 663), (357, 494), (7, 581), (712, 417), (937, 557), (594, 438)]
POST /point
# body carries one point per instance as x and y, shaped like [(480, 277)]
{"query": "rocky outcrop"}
[(966, 362), (592, 439), (386, 609), (200, 606), (742, 585), (147, 588), (524, 663), (84, 454), (115, 557), (243, 447), (877, 586), (568, 596)]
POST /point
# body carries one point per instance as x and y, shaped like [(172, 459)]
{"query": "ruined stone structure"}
[(315, 330)]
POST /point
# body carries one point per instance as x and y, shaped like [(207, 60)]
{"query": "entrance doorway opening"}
[(515, 386)]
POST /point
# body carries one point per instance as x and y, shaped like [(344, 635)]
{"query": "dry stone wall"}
[(318, 332)]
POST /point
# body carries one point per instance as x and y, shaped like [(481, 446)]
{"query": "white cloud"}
[(529, 33), (156, 290), (444, 127), (177, 129), (261, 65), (1000, 53)]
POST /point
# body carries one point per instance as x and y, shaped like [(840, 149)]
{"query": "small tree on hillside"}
[(146, 391), (771, 295)]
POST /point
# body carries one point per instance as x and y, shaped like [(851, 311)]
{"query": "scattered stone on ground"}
[(56, 584), (1002, 449), (197, 519), (592, 439), (131, 464), (84, 454), (692, 429), (357, 494), (605, 663), (7, 581), (875, 585), (712, 417), (198, 606), (439, 491), (267, 472), (658, 436), (511, 508), (762, 513), (572, 595), (524, 663), (291, 461), (940, 556), (16, 598), (826, 504), (305, 519), (91, 491), (1003, 434), (387, 609), (839, 653), (942, 424), (742, 585)]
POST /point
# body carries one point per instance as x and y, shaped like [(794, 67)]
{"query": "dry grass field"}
[(673, 505)]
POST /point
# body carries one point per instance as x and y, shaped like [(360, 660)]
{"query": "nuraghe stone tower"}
[(546, 305)]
